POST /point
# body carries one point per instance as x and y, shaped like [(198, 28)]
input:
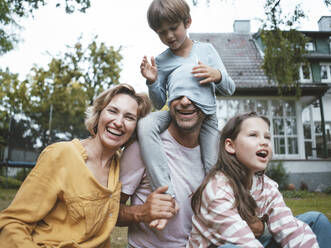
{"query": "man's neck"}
[(189, 139)]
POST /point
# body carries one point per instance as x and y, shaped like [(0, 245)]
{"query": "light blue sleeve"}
[(158, 90), (226, 86)]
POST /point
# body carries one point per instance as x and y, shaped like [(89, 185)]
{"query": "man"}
[(181, 143)]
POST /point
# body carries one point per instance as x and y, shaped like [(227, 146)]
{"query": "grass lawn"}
[(298, 201)]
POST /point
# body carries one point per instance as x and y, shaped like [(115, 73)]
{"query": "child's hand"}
[(159, 224), (149, 70), (208, 73)]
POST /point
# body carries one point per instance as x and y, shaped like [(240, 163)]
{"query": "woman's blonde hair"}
[(102, 100), (170, 11)]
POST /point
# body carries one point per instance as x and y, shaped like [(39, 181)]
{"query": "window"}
[(284, 127), (325, 72), (310, 46), (305, 73), (282, 116)]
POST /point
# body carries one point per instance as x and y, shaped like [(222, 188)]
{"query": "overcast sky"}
[(123, 23)]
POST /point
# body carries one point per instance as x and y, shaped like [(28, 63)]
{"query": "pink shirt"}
[(219, 222), (186, 172)]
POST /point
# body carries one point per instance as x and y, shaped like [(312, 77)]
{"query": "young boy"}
[(176, 72)]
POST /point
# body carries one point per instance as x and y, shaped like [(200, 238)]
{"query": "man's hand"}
[(149, 70), (206, 72), (160, 224), (157, 206)]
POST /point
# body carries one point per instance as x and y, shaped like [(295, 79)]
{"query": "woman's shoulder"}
[(63, 149)]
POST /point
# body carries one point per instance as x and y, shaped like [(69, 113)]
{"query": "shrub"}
[(277, 172), (328, 191), (22, 174), (297, 194), (9, 182)]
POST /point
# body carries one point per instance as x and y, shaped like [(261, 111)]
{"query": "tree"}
[(12, 99), (284, 45), (59, 94), (284, 50), (50, 104), (11, 10)]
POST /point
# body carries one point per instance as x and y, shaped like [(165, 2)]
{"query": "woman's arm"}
[(36, 197)]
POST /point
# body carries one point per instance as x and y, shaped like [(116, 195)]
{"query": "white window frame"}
[(270, 117), (304, 80), (328, 71)]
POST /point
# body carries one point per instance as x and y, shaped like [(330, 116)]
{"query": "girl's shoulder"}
[(269, 182), (219, 184), (263, 184)]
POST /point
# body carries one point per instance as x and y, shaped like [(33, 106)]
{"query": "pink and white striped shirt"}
[(219, 222)]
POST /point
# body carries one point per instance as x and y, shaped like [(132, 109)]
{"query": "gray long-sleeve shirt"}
[(175, 78)]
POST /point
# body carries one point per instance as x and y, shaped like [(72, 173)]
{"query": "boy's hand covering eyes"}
[(206, 72)]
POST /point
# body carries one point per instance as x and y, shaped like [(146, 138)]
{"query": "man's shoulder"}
[(131, 153)]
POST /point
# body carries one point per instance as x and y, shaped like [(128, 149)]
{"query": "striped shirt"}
[(219, 222)]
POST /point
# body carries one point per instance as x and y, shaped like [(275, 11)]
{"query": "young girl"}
[(236, 192)]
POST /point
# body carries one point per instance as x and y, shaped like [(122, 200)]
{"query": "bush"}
[(277, 172), (328, 191), (297, 194), (22, 174), (9, 183)]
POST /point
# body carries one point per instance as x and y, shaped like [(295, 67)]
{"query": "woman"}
[(71, 197)]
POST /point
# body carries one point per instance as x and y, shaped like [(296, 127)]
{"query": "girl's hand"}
[(149, 70), (206, 72)]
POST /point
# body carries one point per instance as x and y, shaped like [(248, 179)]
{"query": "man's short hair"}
[(170, 11)]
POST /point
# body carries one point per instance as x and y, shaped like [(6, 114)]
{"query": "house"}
[(300, 127)]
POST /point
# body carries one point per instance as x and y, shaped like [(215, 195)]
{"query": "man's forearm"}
[(131, 214)]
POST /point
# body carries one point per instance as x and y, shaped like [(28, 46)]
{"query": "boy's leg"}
[(320, 225), (149, 130), (209, 141)]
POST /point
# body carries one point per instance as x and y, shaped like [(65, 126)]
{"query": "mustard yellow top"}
[(60, 204)]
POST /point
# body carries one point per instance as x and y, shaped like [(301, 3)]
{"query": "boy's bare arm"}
[(206, 72), (157, 206), (148, 70)]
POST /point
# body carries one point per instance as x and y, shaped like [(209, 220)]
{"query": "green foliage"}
[(297, 194), (328, 191), (9, 183), (11, 10), (53, 100), (284, 50), (22, 174), (277, 172)]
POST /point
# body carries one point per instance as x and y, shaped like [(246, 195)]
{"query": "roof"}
[(240, 56), (243, 61)]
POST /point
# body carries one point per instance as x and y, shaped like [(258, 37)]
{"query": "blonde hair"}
[(102, 100), (171, 11)]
